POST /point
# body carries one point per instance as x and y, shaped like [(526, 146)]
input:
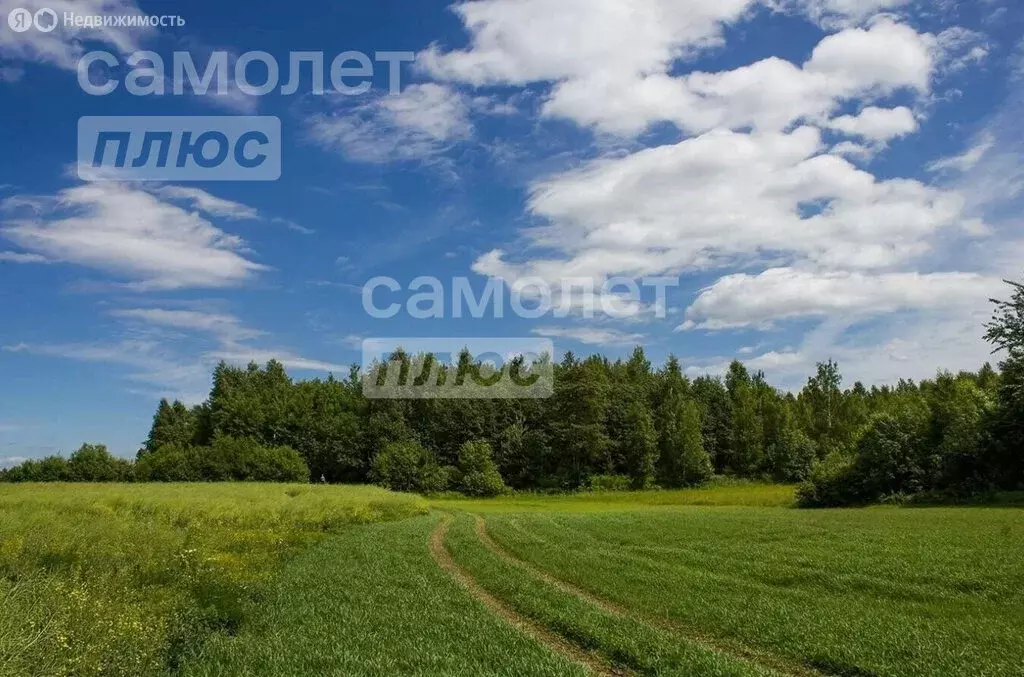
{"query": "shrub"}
[(831, 483), (478, 474), (230, 458), (610, 483), (169, 463), (407, 466), (93, 463)]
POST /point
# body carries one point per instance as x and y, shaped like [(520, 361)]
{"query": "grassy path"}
[(734, 650), (372, 602), (626, 642), (593, 663)]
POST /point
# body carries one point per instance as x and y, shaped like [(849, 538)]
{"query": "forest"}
[(609, 425)]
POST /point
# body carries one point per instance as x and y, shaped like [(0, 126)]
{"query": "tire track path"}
[(591, 662), (779, 664)]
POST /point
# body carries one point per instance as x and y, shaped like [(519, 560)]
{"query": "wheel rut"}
[(778, 664), (591, 662)]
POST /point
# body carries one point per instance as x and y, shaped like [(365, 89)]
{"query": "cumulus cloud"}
[(522, 41), (131, 234), (777, 294), (724, 198), (611, 66), (876, 124)]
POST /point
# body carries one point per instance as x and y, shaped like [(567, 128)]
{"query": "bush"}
[(831, 483), (610, 483), (229, 458), (226, 459), (892, 459), (93, 463), (792, 457), (478, 474), (169, 463), (407, 466)]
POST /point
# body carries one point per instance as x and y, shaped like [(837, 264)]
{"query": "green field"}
[(244, 579)]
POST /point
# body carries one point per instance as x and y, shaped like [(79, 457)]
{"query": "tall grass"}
[(720, 492), (131, 579)]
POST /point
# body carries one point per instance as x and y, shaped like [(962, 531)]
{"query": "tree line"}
[(609, 424)]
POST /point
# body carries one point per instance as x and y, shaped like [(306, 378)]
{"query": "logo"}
[(45, 20), (21, 20)]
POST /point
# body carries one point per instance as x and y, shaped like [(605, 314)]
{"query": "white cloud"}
[(591, 335), (721, 199), (131, 234), (968, 159), (523, 41), (742, 300), (149, 362), (910, 345), (423, 121), (227, 328), (18, 257), (843, 13), (610, 64), (176, 363), (769, 94), (289, 360), (205, 202), (876, 124)]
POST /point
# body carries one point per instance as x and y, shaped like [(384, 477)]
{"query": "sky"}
[(821, 179)]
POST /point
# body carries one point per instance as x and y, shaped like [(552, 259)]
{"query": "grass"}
[(372, 602), (885, 591), (242, 579), (624, 641), (130, 579), (721, 492)]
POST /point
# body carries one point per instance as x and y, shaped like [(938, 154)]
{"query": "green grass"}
[(129, 579), (246, 579), (371, 601), (720, 492), (624, 641), (885, 591)]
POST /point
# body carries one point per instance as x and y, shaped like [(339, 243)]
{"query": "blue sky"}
[(824, 178)]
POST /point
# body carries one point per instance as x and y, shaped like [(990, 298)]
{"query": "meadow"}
[(133, 579), (242, 579)]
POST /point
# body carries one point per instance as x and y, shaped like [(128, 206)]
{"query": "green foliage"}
[(791, 456), (605, 417), (93, 463), (831, 483), (478, 474), (1005, 451), (173, 424), (683, 461)]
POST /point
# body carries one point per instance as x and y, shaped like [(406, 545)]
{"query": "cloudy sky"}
[(825, 178)]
